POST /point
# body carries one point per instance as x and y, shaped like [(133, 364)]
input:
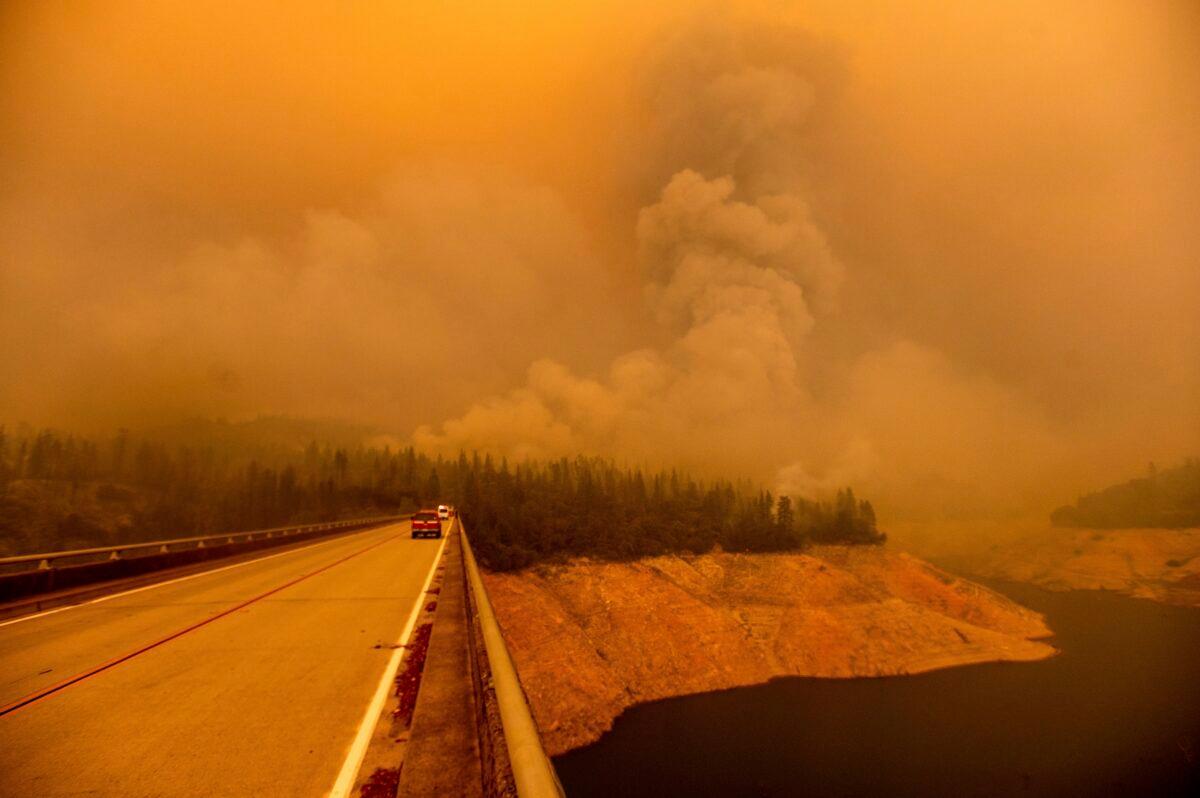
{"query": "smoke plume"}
[(948, 256)]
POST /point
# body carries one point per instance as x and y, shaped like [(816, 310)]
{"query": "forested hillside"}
[(1166, 499), (63, 491), (591, 507)]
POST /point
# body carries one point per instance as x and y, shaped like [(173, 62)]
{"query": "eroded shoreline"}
[(591, 639)]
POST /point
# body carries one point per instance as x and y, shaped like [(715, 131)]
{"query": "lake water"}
[(1116, 713)]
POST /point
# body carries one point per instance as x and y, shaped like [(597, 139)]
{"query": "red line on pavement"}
[(79, 677)]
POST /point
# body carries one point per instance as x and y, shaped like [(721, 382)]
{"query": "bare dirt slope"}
[(591, 639), (1158, 564)]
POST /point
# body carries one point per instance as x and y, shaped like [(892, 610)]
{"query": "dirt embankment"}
[(1157, 564), (591, 639)]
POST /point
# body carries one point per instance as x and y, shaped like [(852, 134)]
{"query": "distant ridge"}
[(1163, 499)]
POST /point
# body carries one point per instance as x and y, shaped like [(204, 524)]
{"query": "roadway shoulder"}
[(442, 756)]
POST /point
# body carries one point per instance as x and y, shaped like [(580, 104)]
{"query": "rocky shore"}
[(1158, 564), (591, 639)]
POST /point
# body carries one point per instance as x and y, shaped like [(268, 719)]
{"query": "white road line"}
[(111, 596), (366, 727)]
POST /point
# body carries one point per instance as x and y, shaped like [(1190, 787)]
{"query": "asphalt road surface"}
[(250, 680)]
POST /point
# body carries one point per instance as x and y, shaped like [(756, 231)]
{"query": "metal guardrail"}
[(45, 561), (532, 771)]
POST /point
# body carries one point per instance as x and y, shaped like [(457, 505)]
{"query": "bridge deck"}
[(260, 693)]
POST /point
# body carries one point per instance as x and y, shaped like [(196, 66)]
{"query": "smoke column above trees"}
[(947, 256)]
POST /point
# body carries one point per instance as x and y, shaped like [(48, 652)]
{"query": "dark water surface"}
[(1116, 713)]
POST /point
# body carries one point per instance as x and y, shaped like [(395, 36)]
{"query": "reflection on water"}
[(1117, 713)]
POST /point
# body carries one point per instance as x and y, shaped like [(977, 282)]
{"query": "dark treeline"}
[(1167, 499), (63, 491), (542, 511)]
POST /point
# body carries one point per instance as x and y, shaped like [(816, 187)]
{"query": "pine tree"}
[(433, 488), (785, 521)]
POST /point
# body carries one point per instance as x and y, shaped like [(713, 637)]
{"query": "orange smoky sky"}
[(945, 252)]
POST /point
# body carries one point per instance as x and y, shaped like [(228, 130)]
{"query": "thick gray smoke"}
[(737, 273), (948, 256), (736, 280), (730, 283), (343, 317), (740, 277)]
